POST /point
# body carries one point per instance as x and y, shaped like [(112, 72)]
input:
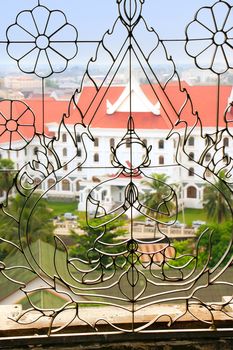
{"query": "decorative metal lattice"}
[(126, 283)]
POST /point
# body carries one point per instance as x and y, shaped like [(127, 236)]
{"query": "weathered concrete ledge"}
[(187, 333)]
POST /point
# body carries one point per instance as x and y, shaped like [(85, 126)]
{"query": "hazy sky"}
[(92, 18)]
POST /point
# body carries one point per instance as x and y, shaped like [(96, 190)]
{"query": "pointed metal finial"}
[(130, 11)]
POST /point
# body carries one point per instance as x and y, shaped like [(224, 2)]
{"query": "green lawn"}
[(60, 208), (191, 215)]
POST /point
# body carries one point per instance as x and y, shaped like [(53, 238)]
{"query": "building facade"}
[(104, 142)]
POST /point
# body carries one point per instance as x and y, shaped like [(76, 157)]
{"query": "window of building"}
[(51, 183), (191, 171), (161, 144), (161, 159), (37, 165), (37, 182), (96, 142), (120, 196), (191, 141), (79, 152), (78, 138), (96, 157), (112, 143), (103, 195), (64, 152), (50, 167), (191, 192), (65, 185), (64, 138), (226, 142), (191, 156), (77, 185), (208, 157)]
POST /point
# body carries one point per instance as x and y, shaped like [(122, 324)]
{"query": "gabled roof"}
[(94, 108), (43, 253), (203, 100), (134, 95), (149, 253)]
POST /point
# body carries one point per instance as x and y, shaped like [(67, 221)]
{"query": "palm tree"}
[(160, 197), (217, 199)]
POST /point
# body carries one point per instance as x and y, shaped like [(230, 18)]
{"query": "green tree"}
[(217, 200), (211, 243), (6, 174), (185, 250), (160, 197), (214, 243), (17, 215), (100, 243)]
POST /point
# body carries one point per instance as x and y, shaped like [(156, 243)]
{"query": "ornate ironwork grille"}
[(134, 145)]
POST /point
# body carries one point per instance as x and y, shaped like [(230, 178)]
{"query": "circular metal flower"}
[(42, 41), (17, 125), (210, 38)]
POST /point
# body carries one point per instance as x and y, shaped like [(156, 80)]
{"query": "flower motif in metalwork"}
[(210, 38), (16, 124), (42, 41)]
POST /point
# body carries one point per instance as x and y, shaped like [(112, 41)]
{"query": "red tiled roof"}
[(206, 107), (203, 99), (155, 252), (136, 176)]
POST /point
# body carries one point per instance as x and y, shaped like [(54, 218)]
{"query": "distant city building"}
[(21, 83)]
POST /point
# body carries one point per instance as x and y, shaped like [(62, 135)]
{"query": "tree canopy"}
[(99, 243), (210, 245), (6, 174), (160, 198), (217, 199), (215, 242), (18, 213)]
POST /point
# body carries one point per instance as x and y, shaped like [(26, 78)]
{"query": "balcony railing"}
[(100, 106)]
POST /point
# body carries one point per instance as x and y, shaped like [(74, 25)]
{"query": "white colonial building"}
[(98, 131)]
